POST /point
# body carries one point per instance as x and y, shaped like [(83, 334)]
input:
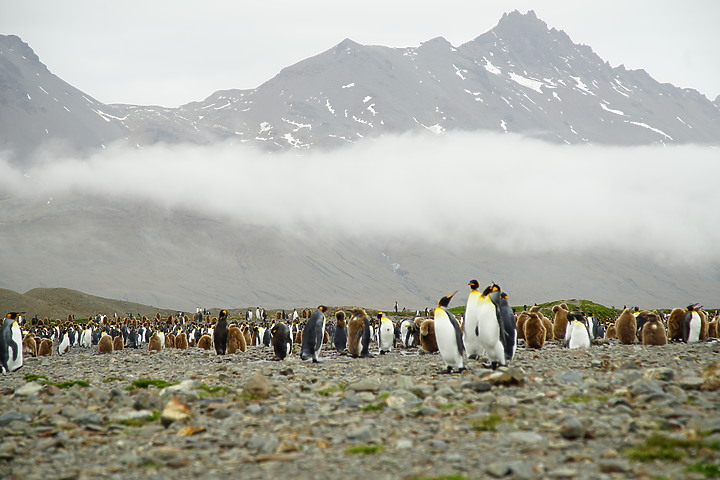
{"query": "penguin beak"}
[(452, 294)]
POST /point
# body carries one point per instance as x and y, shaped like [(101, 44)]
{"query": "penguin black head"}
[(474, 284), (13, 315), (495, 287), (445, 301), (322, 308), (693, 307), (379, 315), (223, 313), (503, 295), (488, 290)]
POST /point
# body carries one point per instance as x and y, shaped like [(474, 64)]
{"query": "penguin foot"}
[(382, 352), (446, 371), (473, 357), (461, 369), (494, 365)]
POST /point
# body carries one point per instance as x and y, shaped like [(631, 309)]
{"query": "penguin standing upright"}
[(63, 345), (675, 325), (471, 326), (490, 329), (355, 331), (535, 332), (11, 343), (365, 338), (691, 324), (578, 335), (626, 327), (408, 333), (220, 333), (508, 330), (281, 340), (340, 334), (313, 333), (386, 334), (653, 332), (449, 336)]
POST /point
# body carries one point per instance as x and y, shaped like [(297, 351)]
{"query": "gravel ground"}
[(555, 413)]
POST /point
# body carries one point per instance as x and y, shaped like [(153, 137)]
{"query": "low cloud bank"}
[(508, 192)]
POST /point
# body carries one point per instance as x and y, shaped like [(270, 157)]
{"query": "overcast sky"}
[(170, 52)]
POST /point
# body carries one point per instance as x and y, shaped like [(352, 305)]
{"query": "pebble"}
[(552, 414)]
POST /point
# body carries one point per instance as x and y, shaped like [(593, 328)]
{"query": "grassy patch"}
[(66, 385), (371, 407), (486, 424), (664, 448), (139, 422), (710, 470), (584, 399), (31, 377), (365, 449), (146, 382), (208, 391), (327, 391)]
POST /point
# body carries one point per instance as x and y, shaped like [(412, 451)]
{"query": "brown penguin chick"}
[(326, 337), (560, 322), (704, 325), (626, 327), (674, 325), (611, 331), (340, 319), (118, 343), (181, 341), (236, 340), (30, 346), (155, 345), (548, 326), (653, 332), (247, 335), (355, 329), (105, 344), (45, 348), (169, 340), (520, 324), (713, 329), (535, 331), (205, 342), (428, 341)]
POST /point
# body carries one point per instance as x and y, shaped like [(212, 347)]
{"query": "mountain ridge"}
[(520, 76)]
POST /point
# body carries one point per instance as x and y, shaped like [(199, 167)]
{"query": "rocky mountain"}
[(520, 76)]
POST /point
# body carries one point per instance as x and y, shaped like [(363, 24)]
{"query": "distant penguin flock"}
[(487, 331)]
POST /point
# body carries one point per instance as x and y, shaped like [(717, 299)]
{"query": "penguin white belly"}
[(490, 332), (447, 342), (695, 325), (161, 336), (15, 357), (471, 327), (578, 336), (403, 333), (386, 338)]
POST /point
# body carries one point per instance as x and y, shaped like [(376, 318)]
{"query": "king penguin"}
[(578, 334), (691, 324), (508, 328), (340, 334), (471, 327), (449, 337), (313, 334), (386, 334), (281, 340), (220, 333), (490, 331), (11, 346)]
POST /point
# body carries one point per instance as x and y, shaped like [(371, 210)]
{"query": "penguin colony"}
[(489, 330)]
